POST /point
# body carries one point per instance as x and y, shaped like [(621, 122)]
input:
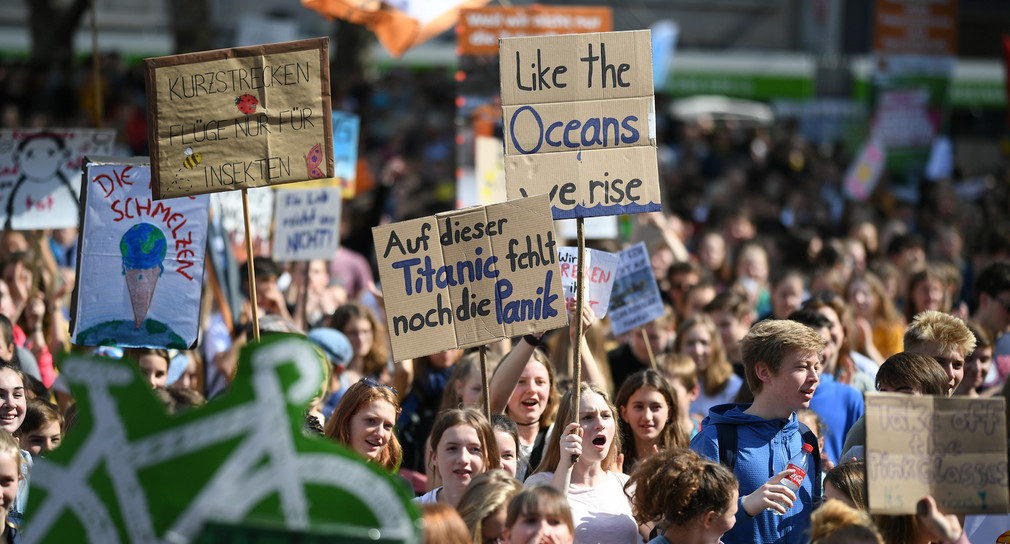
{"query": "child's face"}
[(976, 368), (647, 412), (372, 428), (697, 344), (507, 451), (459, 455), (533, 390), (42, 440), (12, 400), (10, 474), (598, 426), (796, 380), (154, 368), (537, 528)]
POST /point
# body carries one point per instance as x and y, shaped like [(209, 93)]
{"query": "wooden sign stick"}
[(648, 349), (484, 383), (249, 265), (579, 303)]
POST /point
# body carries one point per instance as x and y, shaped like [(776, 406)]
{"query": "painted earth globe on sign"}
[(143, 248)]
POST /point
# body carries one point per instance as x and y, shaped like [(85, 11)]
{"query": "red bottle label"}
[(797, 476)]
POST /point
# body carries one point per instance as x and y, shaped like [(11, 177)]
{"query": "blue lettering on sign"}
[(309, 239), (574, 133), (515, 311)]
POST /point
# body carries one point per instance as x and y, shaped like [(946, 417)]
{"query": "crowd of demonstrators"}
[(781, 296)]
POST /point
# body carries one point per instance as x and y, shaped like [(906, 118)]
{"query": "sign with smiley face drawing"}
[(40, 174)]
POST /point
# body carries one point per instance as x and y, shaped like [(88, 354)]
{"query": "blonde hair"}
[(838, 523), (770, 341), (718, 370), (486, 493), (944, 329), (566, 415)]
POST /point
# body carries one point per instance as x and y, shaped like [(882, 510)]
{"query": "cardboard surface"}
[(489, 168), (40, 174), (579, 122), (599, 269), (238, 118), (954, 449), (635, 298), (139, 261), (306, 224), (444, 291), (479, 29), (239, 460)]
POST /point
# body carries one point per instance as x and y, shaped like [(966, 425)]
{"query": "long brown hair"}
[(566, 414), (551, 409), (715, 376), (356, 398), (673, 436), (375, 360), (474, 418)]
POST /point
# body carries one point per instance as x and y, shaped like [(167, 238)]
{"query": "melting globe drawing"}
[(143, 247)]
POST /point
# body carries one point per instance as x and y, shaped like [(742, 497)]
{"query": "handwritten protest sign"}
[(635, 298), (240, 460), (239, 118), (139, 261), (40, 174), (954, 449), (489, 168), (306, 224), (479, 28), (579, 122), (468, 277), (599, 269)]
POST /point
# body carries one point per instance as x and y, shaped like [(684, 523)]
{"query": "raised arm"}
[(503, 383)]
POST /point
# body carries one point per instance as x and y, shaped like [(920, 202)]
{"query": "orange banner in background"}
[(479, 29)]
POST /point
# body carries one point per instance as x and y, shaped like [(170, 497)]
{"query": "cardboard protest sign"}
[(469, 277), (599, 269), (954, 449), (635, 298), (139, 261), (238, 118), (40, 174), (579, 122), (864, 172), (129, 472), (489, 166), (306, 224)]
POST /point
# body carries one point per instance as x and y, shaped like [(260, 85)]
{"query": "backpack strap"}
[(810, 438), (726, 435)]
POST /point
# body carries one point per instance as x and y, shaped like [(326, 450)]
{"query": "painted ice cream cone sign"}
[(143, 248)]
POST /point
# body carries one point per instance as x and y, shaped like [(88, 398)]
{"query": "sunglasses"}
[(372, 383)]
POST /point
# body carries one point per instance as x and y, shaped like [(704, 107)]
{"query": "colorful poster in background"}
[(346, 127), (228, 206), (951, 448), (241, 460), (139, 261), (306, 224), (635, 298), (599, 269), (470, 277), (579, 122), (479, 29), (864, 172), (239, 118), (40, 174), (489, 161)]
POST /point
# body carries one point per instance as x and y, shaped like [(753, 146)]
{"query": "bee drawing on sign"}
[(192, 158)]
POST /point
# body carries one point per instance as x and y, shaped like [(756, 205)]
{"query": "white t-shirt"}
[(430, 497), (602, 515)]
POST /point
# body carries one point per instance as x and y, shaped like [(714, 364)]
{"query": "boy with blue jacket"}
[(781, 362)]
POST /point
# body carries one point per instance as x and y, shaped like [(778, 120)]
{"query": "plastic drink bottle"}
[(799, 464)]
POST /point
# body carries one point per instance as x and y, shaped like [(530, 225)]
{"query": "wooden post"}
[(249, 265), (95, 71), (580, 288), (484, 382), (648, 349)]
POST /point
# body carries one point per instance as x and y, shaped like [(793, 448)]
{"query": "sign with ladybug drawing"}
[(239, 118)]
